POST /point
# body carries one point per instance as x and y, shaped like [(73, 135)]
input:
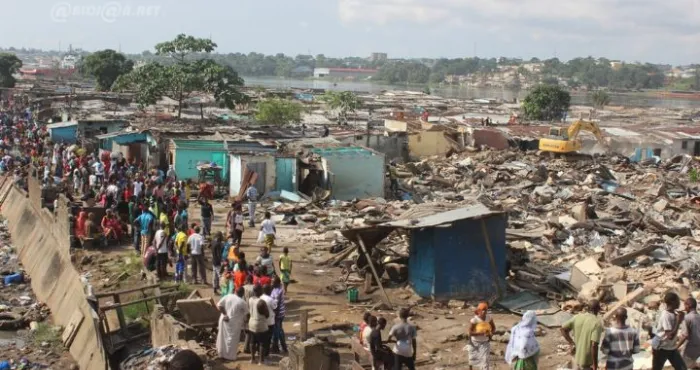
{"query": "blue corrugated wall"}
[(457, 259), (66, 134), (421, 271)]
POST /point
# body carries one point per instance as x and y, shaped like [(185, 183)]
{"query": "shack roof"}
[(476, 211), (61, 124)]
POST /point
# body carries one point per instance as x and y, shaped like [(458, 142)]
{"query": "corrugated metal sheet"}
[(285, 171), (454, 263), (472, 212)]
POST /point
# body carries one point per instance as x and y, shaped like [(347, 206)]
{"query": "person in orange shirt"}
[(240, 272)]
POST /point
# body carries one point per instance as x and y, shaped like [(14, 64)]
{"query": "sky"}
[(657, 31)]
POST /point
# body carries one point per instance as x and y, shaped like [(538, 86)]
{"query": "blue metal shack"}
[(451, 258), (63, 132)]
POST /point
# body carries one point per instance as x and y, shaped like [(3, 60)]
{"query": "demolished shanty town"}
[(414, 201)]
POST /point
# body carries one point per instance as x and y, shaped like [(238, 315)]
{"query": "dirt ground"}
[(441, 330)]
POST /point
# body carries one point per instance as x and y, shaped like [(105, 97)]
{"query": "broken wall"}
[(393, 145), (43, 245), (428, 143), (356, 172)]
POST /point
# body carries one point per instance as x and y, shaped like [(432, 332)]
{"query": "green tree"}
[(546, 102), (278, 111), (9, 65), (343, 102), (599, 98), (106, 66), (184, 75)]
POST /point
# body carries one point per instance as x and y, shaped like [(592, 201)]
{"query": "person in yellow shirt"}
[(182, 253), (165, 222), (285, 268)]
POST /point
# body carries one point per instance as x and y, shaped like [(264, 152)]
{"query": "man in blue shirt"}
[(146, 224)]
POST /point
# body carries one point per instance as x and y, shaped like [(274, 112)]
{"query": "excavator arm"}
[(591, 127)]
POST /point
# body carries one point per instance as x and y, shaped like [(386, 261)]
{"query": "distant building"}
[(378, 57), (344, 72), (616, 64), (69, 61)]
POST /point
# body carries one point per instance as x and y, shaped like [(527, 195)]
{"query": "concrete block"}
[(199, 312), (584, 271)]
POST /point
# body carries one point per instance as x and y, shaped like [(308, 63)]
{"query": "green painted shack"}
[(185, 155)]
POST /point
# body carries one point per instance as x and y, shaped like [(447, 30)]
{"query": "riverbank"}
[(641, 99)]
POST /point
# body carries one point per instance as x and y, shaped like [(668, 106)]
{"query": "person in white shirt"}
[(271, 306), (196, 243), (269, 230), (138, 188), (160, 242), (99, 171), (92, 180)]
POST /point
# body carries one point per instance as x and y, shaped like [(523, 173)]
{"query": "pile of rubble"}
[(635, 219)]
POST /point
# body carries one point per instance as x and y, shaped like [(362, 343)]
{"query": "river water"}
[(462, 92)]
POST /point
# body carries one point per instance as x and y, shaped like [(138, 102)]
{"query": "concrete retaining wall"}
[(42, 241)]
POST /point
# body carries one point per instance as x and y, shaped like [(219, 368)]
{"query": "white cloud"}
[(304, 24)]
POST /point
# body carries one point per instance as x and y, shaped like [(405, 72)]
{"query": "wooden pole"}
[(374, 271), (303, 324), (492, 259)]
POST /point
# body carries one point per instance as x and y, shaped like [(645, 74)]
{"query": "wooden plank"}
[(72, 329), (492, 259), (120, 305), (125, 291), (632, 297), (374, 271), (304, 325), (621, 260)]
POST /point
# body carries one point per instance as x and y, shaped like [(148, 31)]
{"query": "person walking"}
[(161, 245), (145, 223), (620, 342), (252, 195), (285, 268), (479, 343), (233, 314), (690, 334), (279, 340), (664, 346), (207, 213), (257, 324), (588, 330), (269, 230), (523, 350), (217, 247), (405, 348), (271, 307), (196, 244)]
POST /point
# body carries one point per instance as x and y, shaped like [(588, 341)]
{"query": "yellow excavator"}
[(565, 140)]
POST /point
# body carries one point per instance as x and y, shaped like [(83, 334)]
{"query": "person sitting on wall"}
[(111, 227)]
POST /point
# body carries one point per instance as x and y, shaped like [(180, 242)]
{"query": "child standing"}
[(285, 268)]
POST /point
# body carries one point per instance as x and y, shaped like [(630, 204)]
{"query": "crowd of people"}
[(675, 339)]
